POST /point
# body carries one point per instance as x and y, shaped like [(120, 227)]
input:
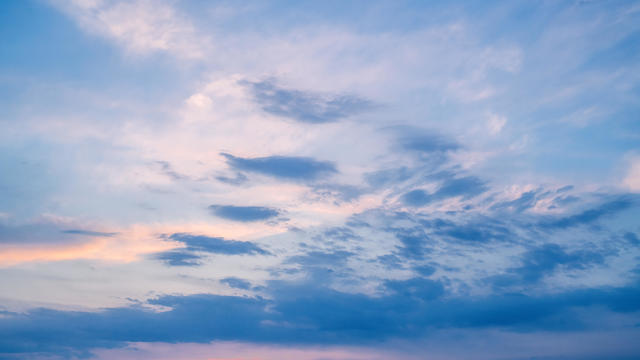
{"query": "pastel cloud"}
[(452, 345), (48, 242), (310, 181), (495, 123), (141, 26), (245, 351), (632, 179)]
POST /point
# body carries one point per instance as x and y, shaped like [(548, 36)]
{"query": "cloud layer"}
[(373, 180)]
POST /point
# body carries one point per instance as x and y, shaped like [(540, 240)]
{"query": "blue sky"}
[(319, 180)]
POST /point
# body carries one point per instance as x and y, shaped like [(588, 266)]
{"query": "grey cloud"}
[(305, 106)]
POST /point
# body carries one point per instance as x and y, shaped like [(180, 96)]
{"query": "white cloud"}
[(632, 180), (141, 26), (495, 123)]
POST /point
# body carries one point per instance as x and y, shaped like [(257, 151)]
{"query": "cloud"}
[(141, 26), (339, 192), (381, 178), (632, 179), (31, 233), (419, 288), (479, 231), (526, 201), (197, 246), (632, 238), (414, 243), (358, 282), (338, 234), (236, 283), (611, 207), (419, 141), (238, 179), (283, 167), (317, 306), (452, 345), (425, 270), (217, 245), (63, 239), (467, 187), (178, 258), (244, 213), (544, 260), (246, 350), (495, 123), (46, 232), (167, 169), (308, 314), (565, 189), (321, 259), (304, 106), (90, 233), (416, 198)]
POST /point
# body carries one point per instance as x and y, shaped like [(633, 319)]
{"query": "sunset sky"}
[(319, 180)]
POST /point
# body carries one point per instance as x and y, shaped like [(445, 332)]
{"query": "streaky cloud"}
[(467, 187), (244, 213), (238, 179), (421, 141), (308, 313), (89, 233), (178, 258), (197, 246), (419, 288), (236, 283), (387, 177), (339, 192), (526, 201), (544, 260), (293, 168), (217, 245), (414, 243), (45, 233), (478, 231), (167, 169), (305, 106), (632, 238), (608, 208)]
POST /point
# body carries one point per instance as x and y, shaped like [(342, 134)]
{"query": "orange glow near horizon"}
[(129, 244)]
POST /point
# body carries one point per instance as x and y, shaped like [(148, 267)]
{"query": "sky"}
[(319, 180)]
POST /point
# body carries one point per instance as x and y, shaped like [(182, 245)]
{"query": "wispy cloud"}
[(178, 258), (317, 315), (420, 141), (464, 187), (197, 246), (216, 245), (244, 213), (589, 216), (89, 233), (141, 26), (333, 182), (307, 107), (283, 167)]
